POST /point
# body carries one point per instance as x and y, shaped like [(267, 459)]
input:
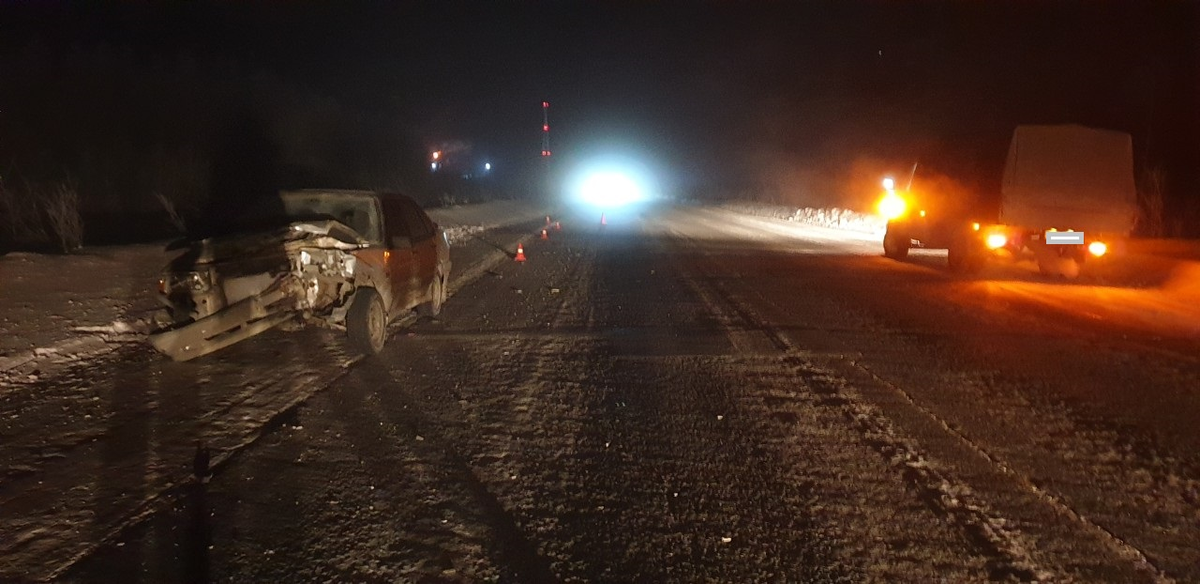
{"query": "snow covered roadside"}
[(55, 309), (463, 221), (833, 217)]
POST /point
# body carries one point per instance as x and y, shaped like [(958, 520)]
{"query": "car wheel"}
[(895, 245), (437, 297), (366, 322)]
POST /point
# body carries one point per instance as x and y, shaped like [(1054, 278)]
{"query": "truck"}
[(1067, 198)]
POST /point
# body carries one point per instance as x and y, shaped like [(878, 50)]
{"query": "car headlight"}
[(996, 240), (1097, 248), (191, 281)]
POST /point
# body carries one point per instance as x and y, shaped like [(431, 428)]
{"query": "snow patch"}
[(117, 327)]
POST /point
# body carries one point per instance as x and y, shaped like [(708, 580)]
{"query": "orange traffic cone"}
[(520, 253), (545, 235), (603, 221), (558, 226)]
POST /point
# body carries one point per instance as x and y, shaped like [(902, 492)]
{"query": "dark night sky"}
[(791, 95)]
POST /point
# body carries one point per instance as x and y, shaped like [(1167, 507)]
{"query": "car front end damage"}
[(224, 290)]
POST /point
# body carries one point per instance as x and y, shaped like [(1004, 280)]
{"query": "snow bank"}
[(462, 221), (833, 217)]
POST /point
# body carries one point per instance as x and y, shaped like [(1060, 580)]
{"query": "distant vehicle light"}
[(1097, 248), (922, 212), (975, 226), (892, 206), (610, 189), (433, 166), (996, 240), (889, 184), (437, 155), (487, 166)]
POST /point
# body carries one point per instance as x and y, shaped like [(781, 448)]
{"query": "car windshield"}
[(358, 212)]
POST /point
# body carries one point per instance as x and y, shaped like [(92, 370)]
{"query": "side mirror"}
[(401, 242)]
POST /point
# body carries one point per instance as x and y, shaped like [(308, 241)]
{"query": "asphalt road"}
[(692, 395)]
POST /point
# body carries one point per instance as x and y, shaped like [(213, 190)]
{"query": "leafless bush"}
[(177, 220), (1150, 202), (179, 180), (20, 221), (61, 204), (8, 232)]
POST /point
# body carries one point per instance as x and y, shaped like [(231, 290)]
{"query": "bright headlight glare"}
[(996, 240), (1097, 248), (610, 189), (891, 206)]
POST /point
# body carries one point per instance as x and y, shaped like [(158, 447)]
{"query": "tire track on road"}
[(1012, 553)]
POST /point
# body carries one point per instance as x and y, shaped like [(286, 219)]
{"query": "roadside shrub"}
[(178, 180), (20, 218), (60, 203), (173, 215)]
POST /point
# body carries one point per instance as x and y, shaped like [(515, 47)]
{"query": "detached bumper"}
[(234, 324)]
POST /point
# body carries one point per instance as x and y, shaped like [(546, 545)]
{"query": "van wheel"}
[(437, 297), (895, 245), (366, 322)]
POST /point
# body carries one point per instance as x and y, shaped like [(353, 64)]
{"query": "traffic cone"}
[(603, 221), (545, 235), (520, 253), (558, 226)]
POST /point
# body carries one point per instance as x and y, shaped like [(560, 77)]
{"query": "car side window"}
[(420, 228), (394, 218)]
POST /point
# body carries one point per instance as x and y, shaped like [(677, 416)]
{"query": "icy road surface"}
[(689, 395)]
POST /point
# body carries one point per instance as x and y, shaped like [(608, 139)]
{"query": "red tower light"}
[(545, 129)]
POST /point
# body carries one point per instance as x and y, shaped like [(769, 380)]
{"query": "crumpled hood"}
[(324, 234)]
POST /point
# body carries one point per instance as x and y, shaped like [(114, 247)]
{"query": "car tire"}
[(895, 245), (437, 297), (366, 322)]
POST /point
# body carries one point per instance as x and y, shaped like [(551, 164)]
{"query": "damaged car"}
[(349, 260)]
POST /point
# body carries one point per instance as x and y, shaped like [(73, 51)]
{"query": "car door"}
[(400, 255), (424, 247)]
